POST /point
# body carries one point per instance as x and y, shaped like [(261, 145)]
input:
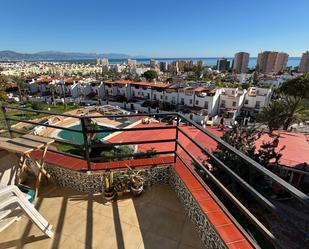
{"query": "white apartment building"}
[(186, 96), (277, 80), (139, 70), (231, 102), (152, 91), (33, 87), (75, 91), (89, 88), (40, 86), (171, 95), (199, 100), (208, 100), (256, 98)]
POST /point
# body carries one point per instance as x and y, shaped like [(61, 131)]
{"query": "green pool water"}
[(78, 137)]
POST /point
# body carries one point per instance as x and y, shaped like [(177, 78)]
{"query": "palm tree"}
[(20, 86), (63, 91), (52, 89), (272, 115), (284, 112), (296, 110)]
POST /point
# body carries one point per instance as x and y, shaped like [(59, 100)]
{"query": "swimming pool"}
[(78, 137)]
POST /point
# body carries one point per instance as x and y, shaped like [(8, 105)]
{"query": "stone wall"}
[(206, 231), (92, 182)]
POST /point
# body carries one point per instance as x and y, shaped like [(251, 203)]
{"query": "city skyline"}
[(161, 29)]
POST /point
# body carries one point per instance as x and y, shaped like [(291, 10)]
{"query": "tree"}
[(52, 89), (297, 87), (37, 106), (255, 78), (244, 140), (4, 83), (21, 86), (272, 115), (63, 92), (296, 110), (166, 106), (150, 75), (284, 112)]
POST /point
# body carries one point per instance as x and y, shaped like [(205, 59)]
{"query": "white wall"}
[(262, 95)]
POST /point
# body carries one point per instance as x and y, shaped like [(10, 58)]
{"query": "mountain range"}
[(8, 55)]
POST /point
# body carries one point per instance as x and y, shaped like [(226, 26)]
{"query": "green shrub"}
[(37, 105)]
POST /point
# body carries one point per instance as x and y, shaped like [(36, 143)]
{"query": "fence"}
[(180, 151)]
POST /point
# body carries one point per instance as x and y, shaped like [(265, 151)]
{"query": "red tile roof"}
[(200, 89), (141, 83), (296, 150), (295, 153)]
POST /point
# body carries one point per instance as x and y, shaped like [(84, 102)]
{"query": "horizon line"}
[(149, 57)]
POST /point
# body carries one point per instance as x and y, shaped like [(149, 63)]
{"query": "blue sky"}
[(160, 28)]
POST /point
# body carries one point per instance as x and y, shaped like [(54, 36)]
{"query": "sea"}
[(208, 61)]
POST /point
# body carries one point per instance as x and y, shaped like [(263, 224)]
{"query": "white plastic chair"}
[(11, 198)]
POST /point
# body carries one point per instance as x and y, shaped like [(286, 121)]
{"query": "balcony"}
[(83, 220), (183, 205)]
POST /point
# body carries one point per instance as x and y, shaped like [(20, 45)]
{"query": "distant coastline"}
[(208, 61)]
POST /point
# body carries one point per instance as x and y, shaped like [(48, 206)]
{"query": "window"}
[(190, 101), (234, 103), (148, 95), (246, 102), (206, 105), (161, 97), (182, 101), (196, 102), (258, 104), (223, 103)]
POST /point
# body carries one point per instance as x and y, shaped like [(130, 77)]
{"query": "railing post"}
[(6, 121), (86, 145), (176, 139)]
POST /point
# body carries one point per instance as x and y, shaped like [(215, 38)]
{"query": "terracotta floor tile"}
[(209, 205), (191, 183), (229, 233), (200, 194), (218, 218), (240, 245)]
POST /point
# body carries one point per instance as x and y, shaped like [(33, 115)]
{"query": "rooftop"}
[(296, 151), (138, 83)]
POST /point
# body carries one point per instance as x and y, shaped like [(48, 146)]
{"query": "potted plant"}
[(109, 192), (137, 183), (120, 188)]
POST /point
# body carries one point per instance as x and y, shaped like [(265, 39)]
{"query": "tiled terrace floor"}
[(154, 220)]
